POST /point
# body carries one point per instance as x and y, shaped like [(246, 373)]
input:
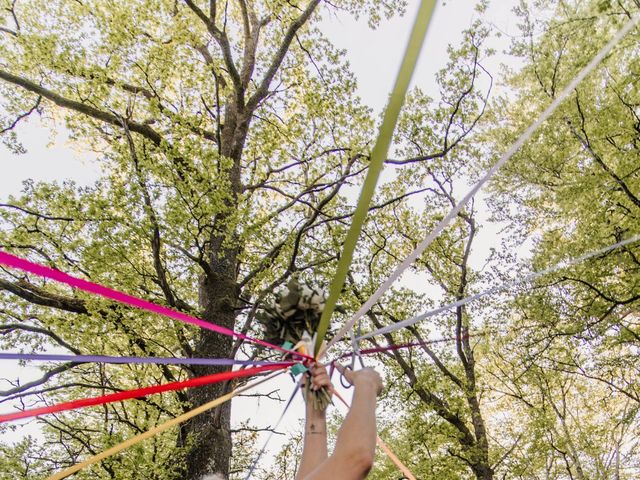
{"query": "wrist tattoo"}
[(312, 430)]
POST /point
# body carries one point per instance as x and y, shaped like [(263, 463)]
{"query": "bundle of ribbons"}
[(290, 320), (255, 368)]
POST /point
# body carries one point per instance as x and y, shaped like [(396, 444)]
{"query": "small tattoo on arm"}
[(312, 430)]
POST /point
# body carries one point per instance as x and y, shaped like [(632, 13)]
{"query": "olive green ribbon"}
[(378, 156)]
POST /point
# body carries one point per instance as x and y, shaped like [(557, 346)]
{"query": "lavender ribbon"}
[(108, 359)]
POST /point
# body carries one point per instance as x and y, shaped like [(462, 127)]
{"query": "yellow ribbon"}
[(378, 156), (392, 456), (160, 428)]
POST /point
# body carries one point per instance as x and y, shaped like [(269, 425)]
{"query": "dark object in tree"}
[(296, 310), (294, 317)]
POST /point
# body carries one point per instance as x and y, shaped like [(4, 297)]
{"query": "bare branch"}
[(37, 214), (9, 31), (50, 374), (22, 116)]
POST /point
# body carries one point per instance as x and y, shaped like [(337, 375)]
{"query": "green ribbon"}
[(378, 156)]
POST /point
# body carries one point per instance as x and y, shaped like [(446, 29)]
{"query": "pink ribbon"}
[(106, 292)]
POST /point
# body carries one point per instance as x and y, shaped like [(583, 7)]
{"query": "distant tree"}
[(570, 352)]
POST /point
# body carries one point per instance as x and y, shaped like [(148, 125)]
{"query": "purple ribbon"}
[(155, 360)]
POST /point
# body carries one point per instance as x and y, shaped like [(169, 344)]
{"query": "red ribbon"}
[(141, 392)]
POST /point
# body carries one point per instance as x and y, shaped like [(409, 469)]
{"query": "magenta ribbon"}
[(106, 292), (388, 348)]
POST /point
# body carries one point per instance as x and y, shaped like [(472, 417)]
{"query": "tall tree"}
[(576, 182), (226, 131)]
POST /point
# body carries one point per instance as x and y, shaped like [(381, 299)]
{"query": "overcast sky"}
[(375, 55)]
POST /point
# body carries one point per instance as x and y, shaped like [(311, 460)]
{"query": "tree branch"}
[(222, 40), (22, 115), (142, 129), (263, 89), (40, 296), (37, 214), (51, 373), (156, 242), (10, 327)]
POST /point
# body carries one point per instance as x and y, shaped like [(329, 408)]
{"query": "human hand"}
[(365, 376), (317, 388), (319, 377)]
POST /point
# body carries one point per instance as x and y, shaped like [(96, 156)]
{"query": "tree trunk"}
[(483, 472), (210, 433), (481, 469)]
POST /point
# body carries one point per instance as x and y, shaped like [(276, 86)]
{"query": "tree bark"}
[(211, 450), (211, 431)]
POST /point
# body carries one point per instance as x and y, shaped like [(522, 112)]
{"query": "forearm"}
[(357, 434), (353, 456), (314, 450)]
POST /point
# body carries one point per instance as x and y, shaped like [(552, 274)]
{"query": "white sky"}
[(374, 56)]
